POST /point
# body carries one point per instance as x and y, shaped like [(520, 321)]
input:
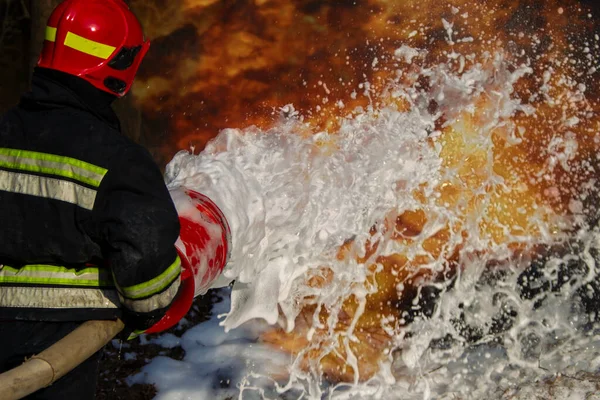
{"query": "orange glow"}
[(216, 64)]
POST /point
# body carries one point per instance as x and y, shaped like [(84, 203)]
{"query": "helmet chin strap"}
[(115, 85)]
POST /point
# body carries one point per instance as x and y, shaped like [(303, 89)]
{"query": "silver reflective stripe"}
[(49, 188), (53, 297), (155, 302)]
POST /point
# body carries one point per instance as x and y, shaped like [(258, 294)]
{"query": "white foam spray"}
[(293, 198)]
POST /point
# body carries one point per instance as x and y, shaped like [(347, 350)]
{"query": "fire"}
[(517, 166)]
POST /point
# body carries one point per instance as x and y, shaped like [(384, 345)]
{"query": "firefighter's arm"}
[(137, 227)]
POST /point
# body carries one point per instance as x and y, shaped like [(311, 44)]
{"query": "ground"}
[(121, 359)]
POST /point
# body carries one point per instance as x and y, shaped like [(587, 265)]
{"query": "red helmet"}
[(100, 41)]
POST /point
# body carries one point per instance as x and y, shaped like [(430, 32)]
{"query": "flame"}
[(530, 174)]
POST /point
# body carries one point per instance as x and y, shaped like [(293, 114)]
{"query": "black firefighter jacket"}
[(87, 226)]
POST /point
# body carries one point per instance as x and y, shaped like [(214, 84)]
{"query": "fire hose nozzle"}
[(204, 247)]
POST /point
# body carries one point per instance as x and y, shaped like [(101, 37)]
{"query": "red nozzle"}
[(203, 247)]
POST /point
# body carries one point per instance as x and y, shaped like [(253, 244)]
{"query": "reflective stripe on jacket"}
[(49, 286), (50, 176)]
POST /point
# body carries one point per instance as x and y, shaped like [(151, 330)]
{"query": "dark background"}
[(22, 24)]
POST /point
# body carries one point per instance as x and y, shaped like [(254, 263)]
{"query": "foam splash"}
[(293, 200), (518, 302)]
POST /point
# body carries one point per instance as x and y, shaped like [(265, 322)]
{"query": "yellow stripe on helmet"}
[(88, 46), (50, 34)]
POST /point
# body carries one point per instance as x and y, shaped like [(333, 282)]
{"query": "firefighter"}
[(87, 225)]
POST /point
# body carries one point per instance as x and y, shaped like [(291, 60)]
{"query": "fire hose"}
[(56, 361), (203, 245)]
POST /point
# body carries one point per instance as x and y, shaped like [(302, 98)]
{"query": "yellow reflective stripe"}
[(53, 157), (88, 46), (50, 268), (155, 285), (54, 281), (136, 333), (155, 302), (52, 164), (58, 297), (55, 275), (46, 170), (50, 188), (50, 34)]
